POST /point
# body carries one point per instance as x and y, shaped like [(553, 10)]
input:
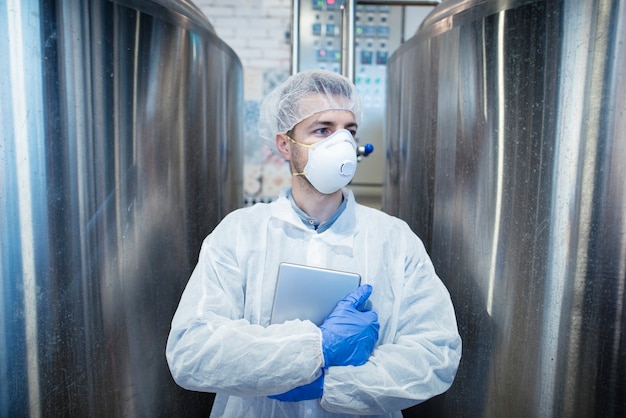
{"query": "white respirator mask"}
[(332, 161)]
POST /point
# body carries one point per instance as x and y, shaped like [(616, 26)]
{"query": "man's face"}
[(316, 128)]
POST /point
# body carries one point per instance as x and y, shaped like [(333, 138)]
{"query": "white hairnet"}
[(302, 95)]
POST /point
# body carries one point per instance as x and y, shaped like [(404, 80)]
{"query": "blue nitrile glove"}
[(350, 332), (313, 390)]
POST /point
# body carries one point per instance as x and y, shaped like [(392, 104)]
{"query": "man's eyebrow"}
[(331, 123)]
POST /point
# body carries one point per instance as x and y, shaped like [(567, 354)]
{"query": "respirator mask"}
[(332, 162)]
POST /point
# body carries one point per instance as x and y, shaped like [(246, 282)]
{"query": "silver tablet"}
[(304, 292)]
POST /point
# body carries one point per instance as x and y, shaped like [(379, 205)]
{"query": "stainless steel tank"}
[(506, 153), (120, 149)]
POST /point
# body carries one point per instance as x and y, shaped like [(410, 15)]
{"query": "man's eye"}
[(322, 131)]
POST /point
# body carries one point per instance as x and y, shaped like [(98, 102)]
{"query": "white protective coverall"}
[(221, 340)]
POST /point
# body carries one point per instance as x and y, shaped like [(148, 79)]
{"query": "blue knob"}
[(364, 150)]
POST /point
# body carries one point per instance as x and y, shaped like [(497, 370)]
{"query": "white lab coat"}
[(221, 340)]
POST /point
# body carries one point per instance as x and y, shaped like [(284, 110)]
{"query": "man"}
[(391, 344)]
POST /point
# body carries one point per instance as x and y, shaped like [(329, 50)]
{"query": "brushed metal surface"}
[(120, 150), (506, 153)]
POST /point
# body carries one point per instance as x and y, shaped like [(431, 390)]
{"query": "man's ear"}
[(283, 146)]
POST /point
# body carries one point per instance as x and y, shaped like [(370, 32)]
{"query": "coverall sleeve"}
[(212, 348), (416, 363)]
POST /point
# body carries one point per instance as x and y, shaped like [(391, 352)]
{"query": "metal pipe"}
[(295, 37), (347, 39)]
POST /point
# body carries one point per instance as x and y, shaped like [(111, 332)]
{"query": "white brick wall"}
[(257, 30)]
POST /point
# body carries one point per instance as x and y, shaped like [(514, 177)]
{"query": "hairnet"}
[(302, 95)]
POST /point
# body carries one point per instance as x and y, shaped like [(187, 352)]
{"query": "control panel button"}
[(369, 30), (382, 31), (381, 57), (332, 4), (366, 57)]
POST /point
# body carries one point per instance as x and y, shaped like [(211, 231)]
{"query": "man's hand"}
[(313, 390), (350, 332)]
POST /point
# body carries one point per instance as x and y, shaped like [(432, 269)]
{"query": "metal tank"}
[(506, 153), (120, 150)]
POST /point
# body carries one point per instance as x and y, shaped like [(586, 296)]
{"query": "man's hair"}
[(303, 95)]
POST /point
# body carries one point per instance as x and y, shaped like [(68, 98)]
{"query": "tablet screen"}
[(305, 292)]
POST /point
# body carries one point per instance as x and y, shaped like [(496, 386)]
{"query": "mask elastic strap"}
[(311, 146), (302, 145)]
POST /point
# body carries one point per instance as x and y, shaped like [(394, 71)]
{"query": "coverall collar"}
[(312, 222), (341, 232)]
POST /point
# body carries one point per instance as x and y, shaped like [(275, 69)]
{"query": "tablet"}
[(304, 292)]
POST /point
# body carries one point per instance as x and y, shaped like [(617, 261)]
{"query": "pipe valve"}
[(364, 151)]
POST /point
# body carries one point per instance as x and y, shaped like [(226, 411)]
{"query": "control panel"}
[(377, 34), (320, 35)]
